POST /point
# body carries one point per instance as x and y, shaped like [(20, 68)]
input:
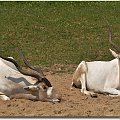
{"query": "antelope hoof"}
[(94, 95)]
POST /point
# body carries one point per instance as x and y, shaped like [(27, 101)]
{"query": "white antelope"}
[(99, 76), (15, 82)]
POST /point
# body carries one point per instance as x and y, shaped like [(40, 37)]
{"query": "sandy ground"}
[(74, 103)]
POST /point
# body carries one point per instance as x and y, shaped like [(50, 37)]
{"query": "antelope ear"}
[(114, 53), (11, 58), (31, 88)]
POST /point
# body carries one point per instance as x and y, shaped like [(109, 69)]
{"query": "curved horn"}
[(113, 44), (110, 38), (40, 79), (28, 64)]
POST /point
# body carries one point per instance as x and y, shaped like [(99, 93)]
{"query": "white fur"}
[(11, 80), (13, 84), (49, 91), (99, 76)]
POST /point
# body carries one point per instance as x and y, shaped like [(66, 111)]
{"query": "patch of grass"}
[(58, 32)]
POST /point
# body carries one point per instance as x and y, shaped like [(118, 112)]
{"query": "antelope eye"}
[(44, 87), (38, 87)]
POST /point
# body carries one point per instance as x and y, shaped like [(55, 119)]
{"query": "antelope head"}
[(42, 89)]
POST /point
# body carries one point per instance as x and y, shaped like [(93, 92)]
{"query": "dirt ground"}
[(73, 103)]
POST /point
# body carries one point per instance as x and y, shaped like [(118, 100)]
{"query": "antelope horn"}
[(110, 38), (24, 72), (113, 44), (38, 69)]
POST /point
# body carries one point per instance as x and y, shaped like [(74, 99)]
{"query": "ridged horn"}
[(110, 38), (28, 73), (38, 69)]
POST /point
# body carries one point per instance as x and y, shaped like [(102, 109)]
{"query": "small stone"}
[(8, 105), (111, 110)]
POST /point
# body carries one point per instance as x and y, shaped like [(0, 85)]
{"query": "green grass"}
[(58, 32)]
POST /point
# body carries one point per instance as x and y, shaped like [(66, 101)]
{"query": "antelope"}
[(99, 76), (16, 82)]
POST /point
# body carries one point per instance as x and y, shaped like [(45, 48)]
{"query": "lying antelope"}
[(15, 82), (99, 76)]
